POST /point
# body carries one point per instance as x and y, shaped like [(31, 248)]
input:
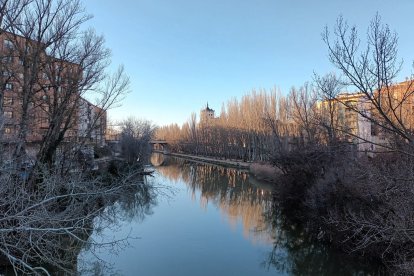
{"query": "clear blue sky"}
[(180, 54)]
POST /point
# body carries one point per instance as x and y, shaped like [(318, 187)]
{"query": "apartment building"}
[(91, 124), (40, 93), (354, 115), (355, 126)]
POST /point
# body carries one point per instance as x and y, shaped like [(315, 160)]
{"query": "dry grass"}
[(264, 171)]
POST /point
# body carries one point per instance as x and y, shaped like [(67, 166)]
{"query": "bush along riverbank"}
[(362, 205)]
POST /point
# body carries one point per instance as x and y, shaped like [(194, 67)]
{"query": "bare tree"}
[(54, 64), (10, 10), (302, 109), (43, 232), (372, 71), (49, 65), (246, 129), (135, 137), (328, 89)]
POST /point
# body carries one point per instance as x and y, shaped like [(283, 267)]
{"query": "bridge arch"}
[(160, 146)]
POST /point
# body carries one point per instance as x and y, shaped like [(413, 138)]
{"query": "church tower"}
[(206, 114)]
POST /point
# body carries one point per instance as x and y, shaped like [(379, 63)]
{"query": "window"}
[(8, 59), (8, 44), (7, 101), (21, 61), (8, 129), (8, 114), (9, 86), (44, 122), (6, 74)]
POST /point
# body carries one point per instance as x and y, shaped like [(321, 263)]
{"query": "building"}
[(206, 115), (355, 115), (355, 127), (39, 95), (91, 123)]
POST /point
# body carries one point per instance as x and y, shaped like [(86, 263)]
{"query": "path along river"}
[(210, 220)]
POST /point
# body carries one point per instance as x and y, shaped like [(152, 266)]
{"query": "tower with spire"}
[(206, 114)]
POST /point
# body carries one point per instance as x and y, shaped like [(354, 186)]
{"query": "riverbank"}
[(360, 206), (260, 170), (237, 164), (209, 201)]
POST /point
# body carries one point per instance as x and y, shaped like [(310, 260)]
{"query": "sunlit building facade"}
[(354, 115), (53, 82)]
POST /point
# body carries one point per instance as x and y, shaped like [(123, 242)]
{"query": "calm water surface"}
[(210, 220)]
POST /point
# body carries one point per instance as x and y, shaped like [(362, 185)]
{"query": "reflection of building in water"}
[(230, 190)]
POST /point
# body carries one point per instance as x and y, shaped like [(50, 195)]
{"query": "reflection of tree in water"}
[(295, 253), (135, 203), (54, 251), (230, 190), (138, 204)]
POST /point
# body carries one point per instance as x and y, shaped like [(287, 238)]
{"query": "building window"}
[(7, 101), (8, 130), (44, 122), (8, 44), (8, 114), (9, 86)]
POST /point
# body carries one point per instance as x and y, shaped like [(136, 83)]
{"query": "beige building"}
[(353, 114), (206, 115)]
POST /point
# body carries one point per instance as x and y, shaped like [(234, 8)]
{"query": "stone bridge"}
[(160, 145)]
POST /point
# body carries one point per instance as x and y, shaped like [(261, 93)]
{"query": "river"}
[(210, 220)]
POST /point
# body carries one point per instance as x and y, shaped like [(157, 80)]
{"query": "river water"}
[(210, 220)]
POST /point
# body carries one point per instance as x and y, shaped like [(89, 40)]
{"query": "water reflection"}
[(295, 253), (135, 203), (244, 201), (229, 189), (83, 215)]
